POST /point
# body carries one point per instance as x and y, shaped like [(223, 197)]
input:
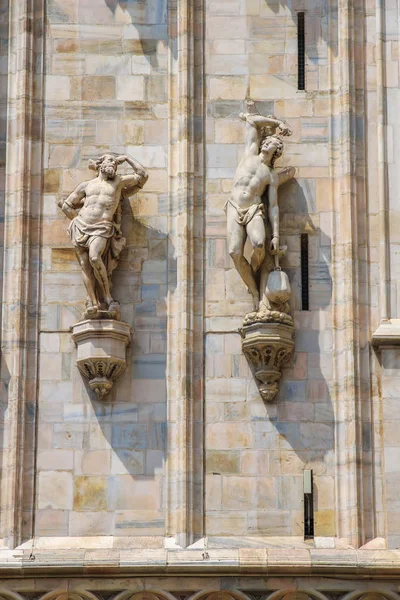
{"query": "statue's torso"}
[(251, 178), (101, 202)]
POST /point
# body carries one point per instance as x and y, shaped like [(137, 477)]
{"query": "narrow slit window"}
[(304, 271), (308, 504), (301, 62)]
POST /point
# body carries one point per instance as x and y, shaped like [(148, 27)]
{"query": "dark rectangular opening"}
[(301, 62), (308, 504), (305, 305)]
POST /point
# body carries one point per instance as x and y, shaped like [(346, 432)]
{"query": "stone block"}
[(222, 462), (51, 181), (232, 523), (128, 435), (51, 522), (239, 493), (90, 493), (127, 462), (218, 27), (55, 490), (227, 436), (324, 522), (97, 88), (130, 87), (91, 523), (226, 390), (50, 367), (55, 460), (107, 65), (92, 462), (269, 522), (138, 493), (138, 523), (227, 88), (57, 88)]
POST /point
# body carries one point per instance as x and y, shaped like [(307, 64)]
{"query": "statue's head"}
[(106, 164), (271, 148)]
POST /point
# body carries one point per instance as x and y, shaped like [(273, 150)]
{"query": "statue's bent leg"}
[(87, 275), (256, 232), (96, 249), (236, 241)]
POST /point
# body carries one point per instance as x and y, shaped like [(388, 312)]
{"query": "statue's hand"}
[(274, 245), (242, 116), (285, 129), (121, 159)]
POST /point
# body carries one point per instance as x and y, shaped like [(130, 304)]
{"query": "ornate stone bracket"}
[(268, 346), (101, 351)]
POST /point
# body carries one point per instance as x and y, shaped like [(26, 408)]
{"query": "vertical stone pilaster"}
[(185, 319), (21, 267), (350, 340)]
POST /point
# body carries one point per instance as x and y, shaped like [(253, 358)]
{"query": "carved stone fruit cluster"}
[(102, 373)]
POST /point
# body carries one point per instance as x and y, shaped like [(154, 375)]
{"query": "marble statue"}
[(248, 217), (253, 214), (94, 208)]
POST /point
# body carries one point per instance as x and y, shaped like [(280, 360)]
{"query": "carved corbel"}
[(268, 346), (101, 352)]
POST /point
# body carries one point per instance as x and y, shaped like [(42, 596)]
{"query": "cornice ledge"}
[(387, 334), (283, 562)]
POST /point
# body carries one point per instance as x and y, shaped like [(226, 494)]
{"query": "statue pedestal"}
[(101, 351), (267, 346)]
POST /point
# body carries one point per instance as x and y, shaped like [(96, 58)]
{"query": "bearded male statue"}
[(247, 215), (94, 208)]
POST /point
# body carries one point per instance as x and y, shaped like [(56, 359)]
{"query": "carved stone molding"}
[(280, 594), (268, 346), (101, 352)]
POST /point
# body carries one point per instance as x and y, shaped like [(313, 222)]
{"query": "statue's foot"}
[(91, 310), (256, 302), (114, 310), (256, 299)]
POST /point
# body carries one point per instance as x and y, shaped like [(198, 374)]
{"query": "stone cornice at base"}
[(212, 562)]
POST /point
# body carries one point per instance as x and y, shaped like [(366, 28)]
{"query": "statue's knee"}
[(258, 246), (235, 254), (95, 261)]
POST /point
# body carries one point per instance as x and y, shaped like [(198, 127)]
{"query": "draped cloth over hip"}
[(83, 234), (245, 215)]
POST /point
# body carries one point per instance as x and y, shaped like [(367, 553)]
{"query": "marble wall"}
[(184, 450), (256, 453), (101, 465)]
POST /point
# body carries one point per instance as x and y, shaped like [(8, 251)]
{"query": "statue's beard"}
[(109, 172)]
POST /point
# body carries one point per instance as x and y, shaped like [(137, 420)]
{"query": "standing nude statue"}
[(245, 209), (95, 230)]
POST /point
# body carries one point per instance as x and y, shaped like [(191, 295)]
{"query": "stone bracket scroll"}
[(101, 351)]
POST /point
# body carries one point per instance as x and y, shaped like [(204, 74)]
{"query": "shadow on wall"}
[(321, 23), (303, 412), (133, 417), (149, 23)]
